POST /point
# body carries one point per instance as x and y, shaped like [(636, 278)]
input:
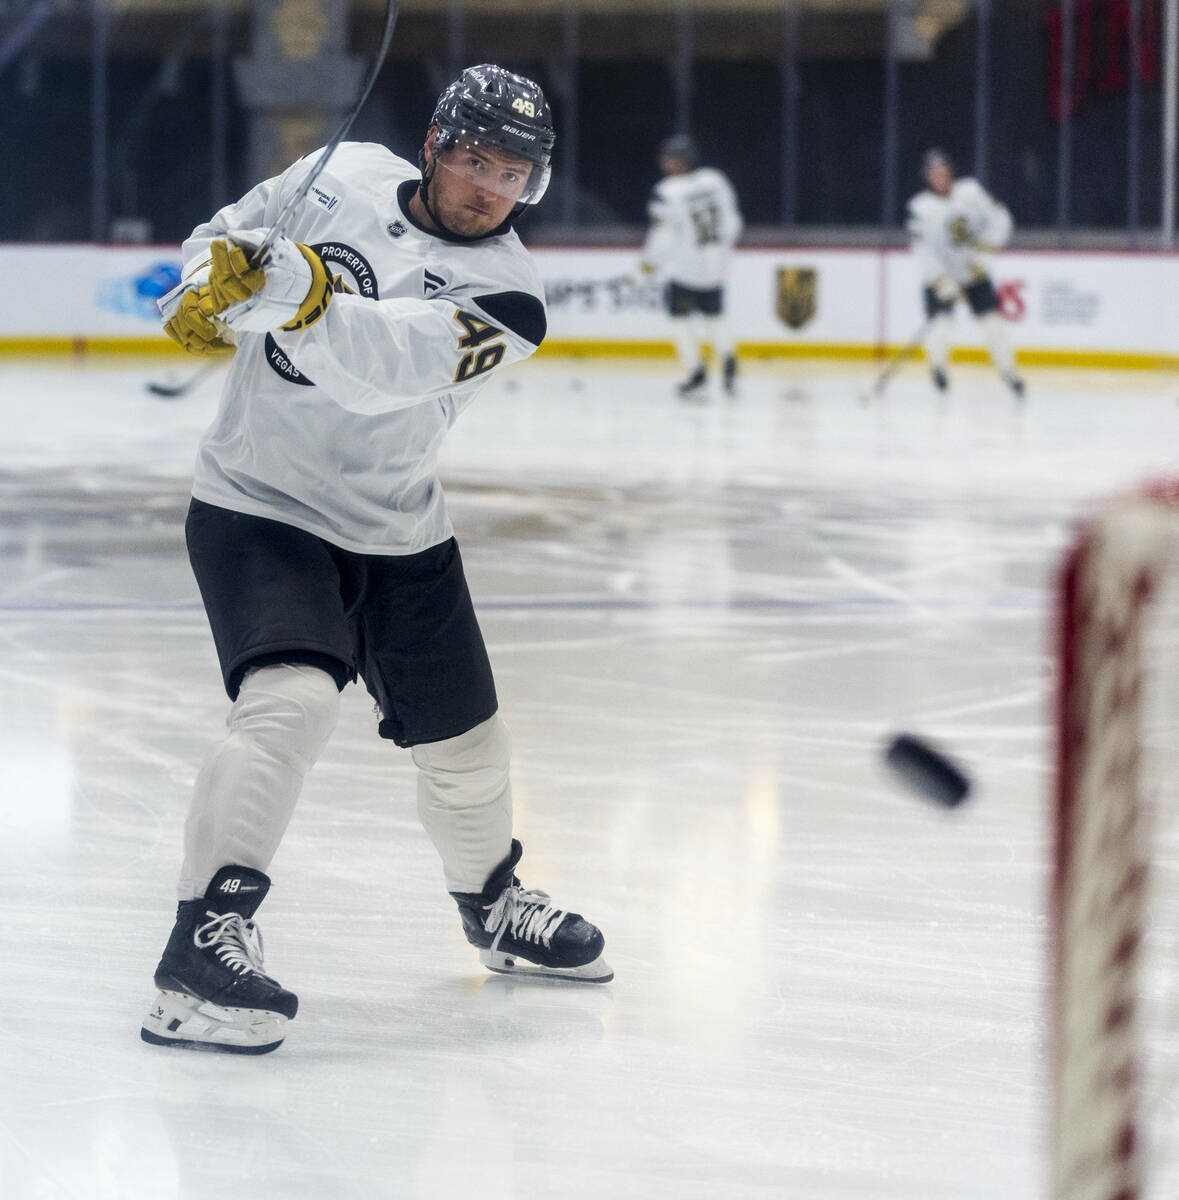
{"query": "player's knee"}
[(995, 331), (470, 769), (289, 710), (940, 328)]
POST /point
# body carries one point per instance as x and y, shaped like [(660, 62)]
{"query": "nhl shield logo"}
[(797, 292), (395, 229)]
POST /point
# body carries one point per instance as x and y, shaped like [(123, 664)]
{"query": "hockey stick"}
[(897, 361), (173, 391), (259, 256)]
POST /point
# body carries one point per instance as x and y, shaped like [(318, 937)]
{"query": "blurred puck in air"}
[(927, 771)]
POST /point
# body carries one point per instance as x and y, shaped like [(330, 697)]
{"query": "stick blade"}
[(168, 391), (173, 385)]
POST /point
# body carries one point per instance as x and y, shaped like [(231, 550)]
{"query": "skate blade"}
[(178, 1019), (598, 971)]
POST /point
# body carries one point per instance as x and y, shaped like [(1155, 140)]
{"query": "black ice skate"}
[(941, 380), (214, 994), (729, 373), (519, 932), (1017, 386), (691, 387)]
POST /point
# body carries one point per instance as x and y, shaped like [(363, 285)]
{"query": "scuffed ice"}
[(704, 622)]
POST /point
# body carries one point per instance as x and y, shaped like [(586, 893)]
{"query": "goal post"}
[(1102, 901)]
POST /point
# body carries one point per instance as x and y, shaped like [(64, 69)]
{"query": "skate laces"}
[(524, 914), (237, 942)]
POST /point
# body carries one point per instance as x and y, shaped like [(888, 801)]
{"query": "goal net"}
[(1114, 1054)]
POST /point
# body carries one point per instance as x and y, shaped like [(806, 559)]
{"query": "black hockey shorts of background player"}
[(403, 622), (682, 301), (980, 295)]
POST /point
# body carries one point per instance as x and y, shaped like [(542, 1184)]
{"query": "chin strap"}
[(423, 191), (423, 186)]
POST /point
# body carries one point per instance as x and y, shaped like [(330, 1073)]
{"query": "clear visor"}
[(492, 170)]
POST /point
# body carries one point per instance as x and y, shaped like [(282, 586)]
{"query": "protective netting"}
[(1115, 899)]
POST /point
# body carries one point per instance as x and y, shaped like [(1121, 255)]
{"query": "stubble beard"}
[(456, 217)]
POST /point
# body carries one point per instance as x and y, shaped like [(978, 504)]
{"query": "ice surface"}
[(704, 619)]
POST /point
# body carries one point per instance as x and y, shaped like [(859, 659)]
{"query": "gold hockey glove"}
[(946, 290), (231, 278), (290, 292), (191, 326)]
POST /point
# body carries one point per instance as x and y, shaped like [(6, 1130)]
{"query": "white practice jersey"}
[(695, 222), (951, 234), (336, 428)]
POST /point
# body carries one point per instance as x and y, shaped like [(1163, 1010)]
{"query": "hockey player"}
[(952, 226), (320, 541), (695, 222)]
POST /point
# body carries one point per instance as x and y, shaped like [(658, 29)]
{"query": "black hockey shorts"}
[(683, 301), (403, 623), (980, 295)]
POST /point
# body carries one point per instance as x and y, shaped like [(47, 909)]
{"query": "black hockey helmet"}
[(681, 146), (502, 111)]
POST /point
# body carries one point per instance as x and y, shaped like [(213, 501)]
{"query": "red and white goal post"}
[(1115, 882)]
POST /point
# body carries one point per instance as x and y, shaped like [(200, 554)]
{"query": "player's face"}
[(474, 188), (940, 178)]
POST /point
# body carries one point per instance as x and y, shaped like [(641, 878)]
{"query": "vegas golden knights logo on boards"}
[(797, 290)]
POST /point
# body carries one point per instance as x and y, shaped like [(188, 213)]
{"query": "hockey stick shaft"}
[(259, 257), (901, 357), (260, 254)]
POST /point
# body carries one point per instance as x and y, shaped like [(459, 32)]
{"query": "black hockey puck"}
[(926, 771)]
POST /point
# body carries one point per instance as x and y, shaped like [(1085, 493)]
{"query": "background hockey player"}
[(953, 224), (321, 544), (695, 222)]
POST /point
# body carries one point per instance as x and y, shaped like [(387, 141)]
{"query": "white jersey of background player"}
[(695, 223), (320, 543), (952, 226)]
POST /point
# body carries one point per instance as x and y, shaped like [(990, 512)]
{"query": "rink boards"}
[(1075, 309)]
